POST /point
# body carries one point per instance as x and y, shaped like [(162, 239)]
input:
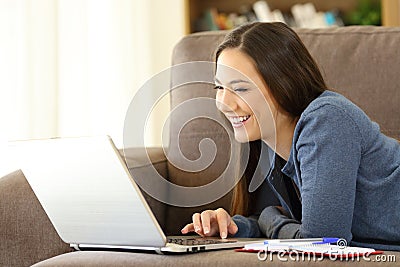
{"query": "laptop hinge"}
[(75, 246)]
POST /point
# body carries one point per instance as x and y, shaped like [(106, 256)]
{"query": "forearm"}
[(273, 224)]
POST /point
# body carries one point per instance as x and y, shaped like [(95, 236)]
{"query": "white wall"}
[(170, 28), (71, 67)]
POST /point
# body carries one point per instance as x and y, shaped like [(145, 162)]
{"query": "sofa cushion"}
[(25, 228), (206, 259)]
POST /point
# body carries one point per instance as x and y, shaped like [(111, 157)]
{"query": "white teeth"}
[(240, 119)]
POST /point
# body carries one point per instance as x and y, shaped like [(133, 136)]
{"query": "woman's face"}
[(244, 97)]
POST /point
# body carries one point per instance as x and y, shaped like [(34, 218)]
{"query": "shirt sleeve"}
[(276, 225), (328, 146), (247, 226)]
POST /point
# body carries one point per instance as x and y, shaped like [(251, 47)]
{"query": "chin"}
[(244, 138)]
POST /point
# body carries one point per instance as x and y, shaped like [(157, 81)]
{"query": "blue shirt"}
[(348, 176)]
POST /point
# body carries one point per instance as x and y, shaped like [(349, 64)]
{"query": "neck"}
[(284, 136)]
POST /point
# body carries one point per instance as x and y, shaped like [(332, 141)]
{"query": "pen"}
[(323, 240)]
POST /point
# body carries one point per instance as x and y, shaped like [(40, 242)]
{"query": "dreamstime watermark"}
[(294, 255), (191, 83), (315, 253)]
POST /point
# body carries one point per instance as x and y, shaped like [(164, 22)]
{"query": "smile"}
[(239, 120)]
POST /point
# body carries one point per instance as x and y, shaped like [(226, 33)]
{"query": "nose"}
[(226, 100)]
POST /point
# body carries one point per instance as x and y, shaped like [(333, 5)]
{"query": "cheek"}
[(251, 104), (218, 100), (258, 117)]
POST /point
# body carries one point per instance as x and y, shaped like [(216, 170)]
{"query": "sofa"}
[(361, 62)]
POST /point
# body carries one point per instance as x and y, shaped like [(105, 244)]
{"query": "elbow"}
[(275, 225)]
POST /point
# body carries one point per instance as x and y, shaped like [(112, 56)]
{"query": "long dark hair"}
[(288, 69)]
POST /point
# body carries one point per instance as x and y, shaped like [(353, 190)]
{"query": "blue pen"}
[(323, 240), (328, 240)]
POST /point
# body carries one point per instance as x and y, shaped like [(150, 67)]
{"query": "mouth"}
[(238, 121)]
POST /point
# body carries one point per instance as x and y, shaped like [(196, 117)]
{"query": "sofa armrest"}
[(26, 233), (141, 164), (139, 157)]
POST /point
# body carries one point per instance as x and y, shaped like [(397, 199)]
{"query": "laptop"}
[(92, 201)]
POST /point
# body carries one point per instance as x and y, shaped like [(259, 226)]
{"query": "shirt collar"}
[(288, 169)]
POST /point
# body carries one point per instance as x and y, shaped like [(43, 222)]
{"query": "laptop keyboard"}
[(198, 241)]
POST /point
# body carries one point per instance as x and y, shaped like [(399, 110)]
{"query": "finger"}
[(222, 218), (232, 227), (206, 217), (197, 223), (188, 228)]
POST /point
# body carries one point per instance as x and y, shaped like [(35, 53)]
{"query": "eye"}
[(218, 87), (240, 89)]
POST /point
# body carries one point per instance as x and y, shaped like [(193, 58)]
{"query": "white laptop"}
[(91, 199)]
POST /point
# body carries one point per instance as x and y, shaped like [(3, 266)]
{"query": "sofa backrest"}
[(361, 62)]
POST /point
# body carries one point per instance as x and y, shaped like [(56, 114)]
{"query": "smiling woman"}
[(330, 159), (241, 100)]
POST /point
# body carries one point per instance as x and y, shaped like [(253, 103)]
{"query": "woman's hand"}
[(210, 223)]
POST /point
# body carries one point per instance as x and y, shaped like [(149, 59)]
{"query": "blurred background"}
[(71, 67)]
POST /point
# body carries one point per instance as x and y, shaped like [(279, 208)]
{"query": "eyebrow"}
[(233, 81)]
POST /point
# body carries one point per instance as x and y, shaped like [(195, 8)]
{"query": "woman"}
[(334, 172)]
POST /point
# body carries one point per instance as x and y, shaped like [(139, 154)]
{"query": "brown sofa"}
[(363, 63)]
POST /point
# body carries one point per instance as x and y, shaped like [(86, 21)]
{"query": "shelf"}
[(194, 9), (390, 12)]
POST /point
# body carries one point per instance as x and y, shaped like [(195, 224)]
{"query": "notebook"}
[(91, 199)]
